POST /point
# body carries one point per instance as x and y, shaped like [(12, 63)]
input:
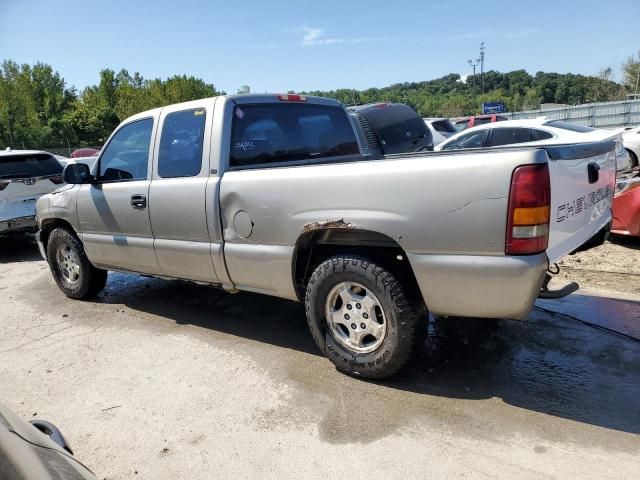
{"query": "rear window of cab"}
[(285, 133)]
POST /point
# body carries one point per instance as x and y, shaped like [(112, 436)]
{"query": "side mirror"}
[(76, 173)]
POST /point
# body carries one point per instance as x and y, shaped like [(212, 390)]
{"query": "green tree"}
[(631, 74)]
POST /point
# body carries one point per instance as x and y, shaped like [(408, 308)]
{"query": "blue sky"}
[(308, 45)]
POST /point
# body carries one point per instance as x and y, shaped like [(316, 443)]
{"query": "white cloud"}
[(312, 36)]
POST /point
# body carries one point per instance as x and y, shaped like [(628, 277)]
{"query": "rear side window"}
[(181, 144), (573, 127), (444, 126), (508, 136), (468, 140), (26, 166), (287, 132), (539, 135), (126, 157)]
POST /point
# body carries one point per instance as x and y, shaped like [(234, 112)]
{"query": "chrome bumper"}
[(479, 286)]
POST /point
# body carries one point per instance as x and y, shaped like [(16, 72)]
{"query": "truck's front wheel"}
[(71, 268), (361, 318)]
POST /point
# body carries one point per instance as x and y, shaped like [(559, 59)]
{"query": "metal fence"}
[(600, 115)]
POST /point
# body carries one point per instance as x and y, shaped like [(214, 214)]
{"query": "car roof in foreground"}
[(6, 153)]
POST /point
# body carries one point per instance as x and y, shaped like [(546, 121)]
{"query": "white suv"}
[(25, 175)]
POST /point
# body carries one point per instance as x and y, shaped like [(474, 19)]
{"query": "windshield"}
[(25, 166)]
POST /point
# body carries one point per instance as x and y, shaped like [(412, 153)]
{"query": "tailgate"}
[(582, 184)]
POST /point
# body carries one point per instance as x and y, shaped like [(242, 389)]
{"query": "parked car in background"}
[(387, 128), (84, 152), (631, 140), (626, 206), (275, 194), (25, 175), (441, 129), (36, 450), (537, 131), (462, 123)]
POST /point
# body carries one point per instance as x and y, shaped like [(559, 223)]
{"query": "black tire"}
[(91, 280), (633, 157), (404, 319)]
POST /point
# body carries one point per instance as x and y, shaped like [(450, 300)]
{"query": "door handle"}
[(593, 171), (138, 201)]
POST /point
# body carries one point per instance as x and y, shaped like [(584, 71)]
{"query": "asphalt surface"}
[(164, 380)]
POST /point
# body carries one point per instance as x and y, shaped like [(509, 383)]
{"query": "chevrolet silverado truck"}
[(273, 194)]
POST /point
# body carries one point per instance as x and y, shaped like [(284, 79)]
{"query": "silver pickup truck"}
[(278, 194)]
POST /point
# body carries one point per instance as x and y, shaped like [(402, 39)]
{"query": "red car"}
[(84, 152), (626, 207), (462, 123)]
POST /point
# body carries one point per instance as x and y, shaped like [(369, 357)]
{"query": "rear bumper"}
[(479, 286), (19, 224)]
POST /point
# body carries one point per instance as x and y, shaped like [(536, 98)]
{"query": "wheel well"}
[(47, 227), (314, 247), (634, 157)]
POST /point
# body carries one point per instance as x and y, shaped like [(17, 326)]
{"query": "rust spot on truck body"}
[(327, 224)]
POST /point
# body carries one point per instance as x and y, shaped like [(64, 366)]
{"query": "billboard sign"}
[(493, 107)]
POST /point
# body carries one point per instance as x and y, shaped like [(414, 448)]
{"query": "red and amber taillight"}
[(529, 207)]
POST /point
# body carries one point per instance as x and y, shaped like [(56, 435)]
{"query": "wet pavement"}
[(619, 314), (234, 387)]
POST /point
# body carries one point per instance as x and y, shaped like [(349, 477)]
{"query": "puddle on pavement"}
[(554, 377)]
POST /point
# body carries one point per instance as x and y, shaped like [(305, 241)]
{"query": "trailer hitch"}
[(545, 293)]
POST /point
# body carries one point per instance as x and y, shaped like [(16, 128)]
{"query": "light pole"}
[(474, 65), (481, 60)]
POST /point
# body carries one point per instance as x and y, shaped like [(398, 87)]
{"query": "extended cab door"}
[(113, 212), (178, 193)]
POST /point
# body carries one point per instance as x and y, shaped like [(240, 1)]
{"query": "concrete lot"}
[(164, 380)]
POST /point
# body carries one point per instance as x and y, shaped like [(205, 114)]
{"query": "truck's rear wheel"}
[(360, 317), (71, 268)]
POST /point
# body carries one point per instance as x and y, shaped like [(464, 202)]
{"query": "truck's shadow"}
[(19, 248), (556, 366)]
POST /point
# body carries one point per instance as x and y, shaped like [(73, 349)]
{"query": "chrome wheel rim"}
[(355, 317), (68, 264)]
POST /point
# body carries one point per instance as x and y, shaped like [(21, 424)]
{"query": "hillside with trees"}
[(450, 97), (38, 109)]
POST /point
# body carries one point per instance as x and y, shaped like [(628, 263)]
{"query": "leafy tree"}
[(631, 72)]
